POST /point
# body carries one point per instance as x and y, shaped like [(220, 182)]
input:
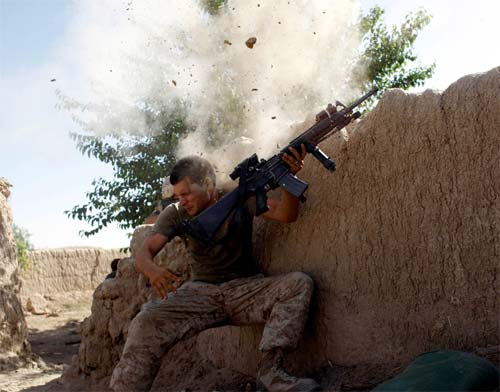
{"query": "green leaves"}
[(139, 163), (213, 6), (23, 244), (387, 59)]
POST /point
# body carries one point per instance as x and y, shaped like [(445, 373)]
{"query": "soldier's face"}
[(193, 197)]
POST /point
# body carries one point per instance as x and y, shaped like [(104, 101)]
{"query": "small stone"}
[(250, 42)]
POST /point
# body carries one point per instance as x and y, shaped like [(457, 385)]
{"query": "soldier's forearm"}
[(144, 262), (290, 206)]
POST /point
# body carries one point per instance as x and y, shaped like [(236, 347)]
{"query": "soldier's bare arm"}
[(161, 279)]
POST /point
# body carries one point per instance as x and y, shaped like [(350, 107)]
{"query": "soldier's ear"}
[(209, 185)]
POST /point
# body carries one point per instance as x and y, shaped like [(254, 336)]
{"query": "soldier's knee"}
[(118, 379), (142, 323), (302, 281)]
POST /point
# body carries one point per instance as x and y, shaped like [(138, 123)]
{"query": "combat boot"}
[(273, 377)]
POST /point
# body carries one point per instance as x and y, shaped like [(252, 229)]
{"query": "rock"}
[(402, 243), (37, 304), (250, 42)]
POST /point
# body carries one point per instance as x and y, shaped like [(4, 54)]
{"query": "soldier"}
[(225, 288)]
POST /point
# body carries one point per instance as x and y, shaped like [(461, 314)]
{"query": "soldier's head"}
[(193, 179)]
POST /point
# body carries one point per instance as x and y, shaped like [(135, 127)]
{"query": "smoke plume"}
[(241, 96)]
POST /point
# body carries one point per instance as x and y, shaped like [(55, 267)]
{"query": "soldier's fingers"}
[(290, 161), (295, 154), (170, 273), (172, 288), (167, 286), (161, 292), (168, 276), (303, 150), (164, 285)]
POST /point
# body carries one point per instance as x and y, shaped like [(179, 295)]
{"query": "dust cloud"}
[(243, 75)]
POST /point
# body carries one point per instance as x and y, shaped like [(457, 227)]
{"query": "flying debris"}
[(174, 82), (227, 42), (273, 118), (52, 80), (255, 89), (251, 42)]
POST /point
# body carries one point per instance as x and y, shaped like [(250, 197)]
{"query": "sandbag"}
[(445, 370)]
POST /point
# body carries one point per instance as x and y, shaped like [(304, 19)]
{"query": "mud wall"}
[(13, 331), (403, 242), (65, 270)]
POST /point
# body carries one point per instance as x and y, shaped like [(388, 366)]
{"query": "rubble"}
[(250, 42)]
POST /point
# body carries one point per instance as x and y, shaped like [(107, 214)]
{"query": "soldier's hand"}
[(296, 160), (164, 281)]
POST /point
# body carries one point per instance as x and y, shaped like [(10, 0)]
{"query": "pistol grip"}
[(261, 203)]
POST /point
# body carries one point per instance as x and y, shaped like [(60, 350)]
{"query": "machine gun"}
[(258, 177)]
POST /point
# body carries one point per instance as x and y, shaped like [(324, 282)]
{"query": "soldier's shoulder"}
[(173, 211)]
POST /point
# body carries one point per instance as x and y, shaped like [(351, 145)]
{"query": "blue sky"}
[(37, 155), (39, 159)]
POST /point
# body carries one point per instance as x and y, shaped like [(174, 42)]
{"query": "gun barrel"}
[(360, 100)]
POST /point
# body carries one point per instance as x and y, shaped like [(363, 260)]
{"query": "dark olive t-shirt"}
[(229, 257)]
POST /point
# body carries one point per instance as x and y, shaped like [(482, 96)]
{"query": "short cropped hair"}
[(193, 167)]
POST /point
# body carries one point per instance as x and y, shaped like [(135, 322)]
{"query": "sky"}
[(38, 43)]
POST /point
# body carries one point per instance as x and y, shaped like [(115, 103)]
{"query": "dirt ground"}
[(54, 340)]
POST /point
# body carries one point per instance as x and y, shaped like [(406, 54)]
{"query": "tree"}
[(141, 161), (23, 244), (213, 6), (387, 57)]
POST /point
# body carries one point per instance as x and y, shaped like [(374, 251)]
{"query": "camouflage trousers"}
[(281, 302)]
